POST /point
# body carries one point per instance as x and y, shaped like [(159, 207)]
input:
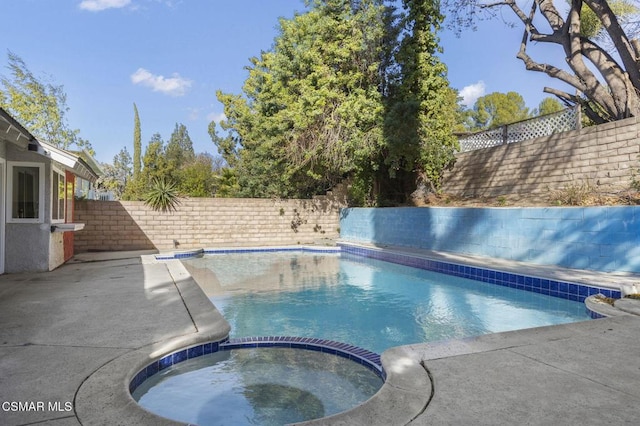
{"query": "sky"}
[(169, 57)]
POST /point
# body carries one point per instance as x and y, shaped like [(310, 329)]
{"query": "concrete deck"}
[(71, 339)]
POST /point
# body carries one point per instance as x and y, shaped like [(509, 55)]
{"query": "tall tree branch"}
[(625, 48)]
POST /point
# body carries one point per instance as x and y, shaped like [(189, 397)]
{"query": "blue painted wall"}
[(596, 238)]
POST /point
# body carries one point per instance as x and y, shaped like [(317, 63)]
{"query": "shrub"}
[(163, 196)]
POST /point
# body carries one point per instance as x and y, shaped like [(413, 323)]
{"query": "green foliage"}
[(155, 168), (137, 144), (227, 186), (497, 109), (312, 110), (179, 151), (40, 106), (116, 175), (134, 190), (155, 163), (591, 25), (348, 90), (162, 196), (422, 111), (548, 106), (193, 175), (197, 178)]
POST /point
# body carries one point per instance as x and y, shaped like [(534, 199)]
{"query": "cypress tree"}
[(137, 144)]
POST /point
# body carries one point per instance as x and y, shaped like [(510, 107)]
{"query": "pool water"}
[(265, 386), (364, 302)]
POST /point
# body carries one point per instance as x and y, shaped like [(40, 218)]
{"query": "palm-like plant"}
[(163, 196)]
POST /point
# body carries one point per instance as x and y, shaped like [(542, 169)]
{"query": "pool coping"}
[(361, 356), (104, 397), (186, 254)]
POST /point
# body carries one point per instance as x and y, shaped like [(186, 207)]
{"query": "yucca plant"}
[(163, 196)]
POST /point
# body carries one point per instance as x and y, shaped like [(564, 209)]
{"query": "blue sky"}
[(170, 57)]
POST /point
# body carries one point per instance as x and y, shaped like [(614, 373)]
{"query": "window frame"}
[(55, 194), (11, 165)]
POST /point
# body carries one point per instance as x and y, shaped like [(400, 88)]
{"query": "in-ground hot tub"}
[(264, 380)]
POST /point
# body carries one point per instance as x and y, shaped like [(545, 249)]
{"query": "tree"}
[(137, 144), (422, 107), (592, 27), (312, 110), (155, 164), (607, 85), (548, 106), (179, 150), (155, 169), (116, 175), (40, 106), (197, 178), (497, 109), (351, 89), (227, 185)]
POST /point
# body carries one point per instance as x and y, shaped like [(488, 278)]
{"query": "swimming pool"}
[(365, 302)]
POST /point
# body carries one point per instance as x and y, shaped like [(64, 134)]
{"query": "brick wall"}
[(603, 156), (205, 222)]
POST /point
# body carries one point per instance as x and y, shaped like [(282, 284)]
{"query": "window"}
[(26, 192), (58, 189), (70, 196)]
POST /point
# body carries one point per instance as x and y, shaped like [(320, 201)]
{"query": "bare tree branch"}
[(609, 83), (572, 100)]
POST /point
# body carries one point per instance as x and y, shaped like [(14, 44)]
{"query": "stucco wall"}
[(601, 156), (205, 222), (596, 238), (29, 246)]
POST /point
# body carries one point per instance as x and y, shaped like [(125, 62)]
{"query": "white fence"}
[(562, 121)]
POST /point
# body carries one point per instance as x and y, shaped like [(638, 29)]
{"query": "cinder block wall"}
[(205, 222), (603, 156), (597, 238)]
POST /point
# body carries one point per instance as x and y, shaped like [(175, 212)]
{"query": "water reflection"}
[(261, 272), (368, 303)]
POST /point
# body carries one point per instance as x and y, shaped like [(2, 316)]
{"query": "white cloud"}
[(98, 5), (471, 93), (173, 86), (194, 113), (216, 116)]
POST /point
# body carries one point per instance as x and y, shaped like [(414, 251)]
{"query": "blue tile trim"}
[(364, 357), (594, 314), (561, 289), (196, 253)]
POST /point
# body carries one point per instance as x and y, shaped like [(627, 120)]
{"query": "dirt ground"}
[(565, 197)]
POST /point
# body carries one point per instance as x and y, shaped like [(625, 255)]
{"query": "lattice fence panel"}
[(546, 125)]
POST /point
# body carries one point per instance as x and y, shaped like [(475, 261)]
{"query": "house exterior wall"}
[(27, 247), (28, 244)]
